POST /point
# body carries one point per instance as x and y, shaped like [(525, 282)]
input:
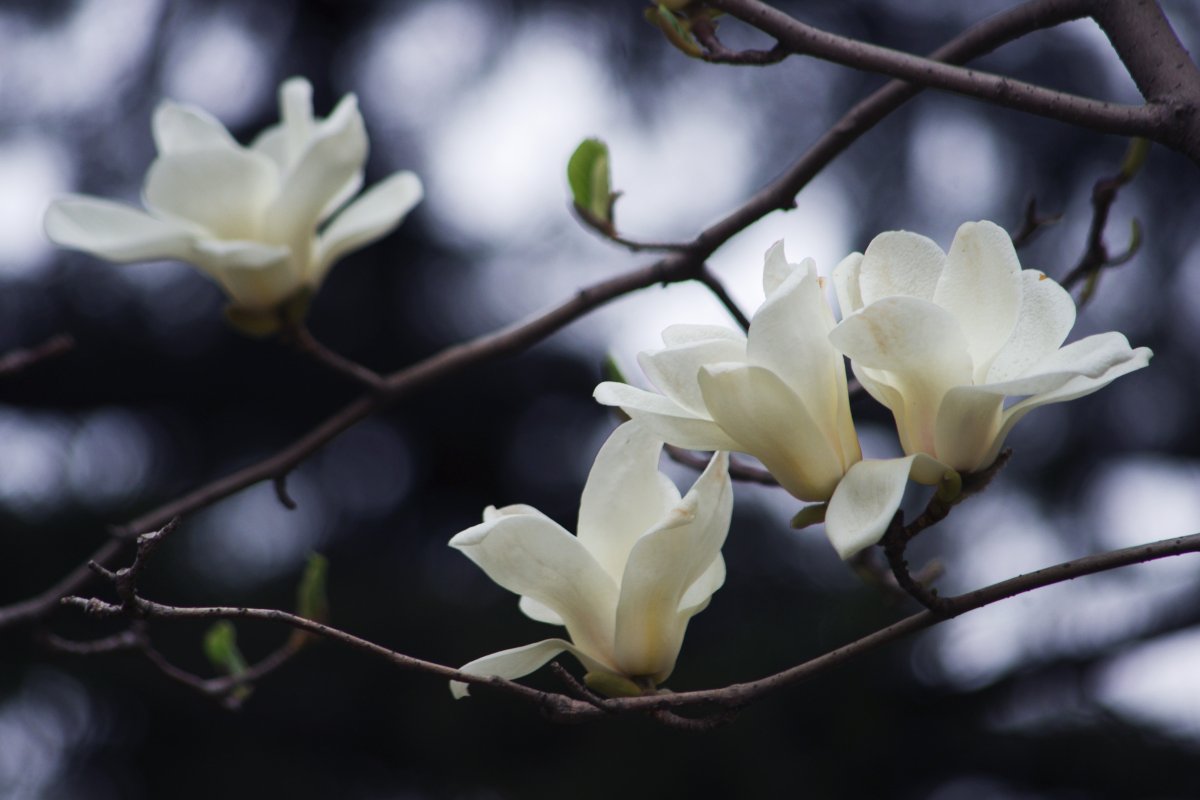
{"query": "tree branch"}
[(16, 361), (804, 39), (662, 706)]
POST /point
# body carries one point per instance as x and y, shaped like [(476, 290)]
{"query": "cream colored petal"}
[(777, 269), (1047, 315), (919, 351), (675, 371), (515, 510), (519, 662), (332, 157), (178, 128), (768, 421), (867, 498), (539, 612), (789, 335), (845, 284), (967, 425), (115, 231), (899, 263), (1076, 387), (663, 565), (625, 496), (372, 216), (665, 418), (696, 598), (981, 286), (255, 276), (534, 557), (296, 117), (1090, 357), (679, 335), (221, 189)]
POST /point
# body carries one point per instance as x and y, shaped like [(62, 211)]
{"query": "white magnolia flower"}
[(645, 561), (256, 219), (943, 340), (778, 394)]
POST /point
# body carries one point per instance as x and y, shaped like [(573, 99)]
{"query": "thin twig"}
[(300, 336), (738, 470), (1032, 223), (609, 232), (715, 51), (16, 361), (709, 279)]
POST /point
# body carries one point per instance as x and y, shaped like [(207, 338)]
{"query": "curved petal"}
[(967, 424), (696, 598), (845, 284), (789, 335), (1047, 315), (662, 566), (178, 128), (679, 335), (777, 269), (981, 286), (221, 189), (519, 662), (372, 216), (1076, 387), (334, 156), (534, 557), (296, 117), (115, 231), (867, 498), (625, 496), (539, 612), (255, 276), (768, 421), (675, 371), (900, 263), (919, 349), (515, 510), (1090, 357), (664, 417)]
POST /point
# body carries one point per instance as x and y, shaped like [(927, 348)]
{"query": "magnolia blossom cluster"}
[(959, 346)]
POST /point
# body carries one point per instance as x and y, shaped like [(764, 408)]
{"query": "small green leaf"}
[(590, 181), (673, 28), (610, 370), (1135, 157), (311, 600), (220, 645), (255, 323)]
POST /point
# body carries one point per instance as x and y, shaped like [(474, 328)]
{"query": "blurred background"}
[(1090, 689)]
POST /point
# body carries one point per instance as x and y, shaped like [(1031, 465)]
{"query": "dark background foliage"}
[(1083, 691)]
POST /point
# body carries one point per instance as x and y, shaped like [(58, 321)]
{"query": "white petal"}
[(919, 351), (664, 417), (675, 371), (221, 189), (515, 663), (1076, 387), (679, 335), (696, 598), (967, 424), (662, 566), (296, 117), (625, 496), (845, 284), (333, 156), (539, 611), (1090, 357), (867, 498), (178, 128), (981, 286), (899, 263), (516, 509), (114, 231), (768, 421), (534, 557), (789, 335), (372, 216), (776, 268), (1047, 315), (254, 275)]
